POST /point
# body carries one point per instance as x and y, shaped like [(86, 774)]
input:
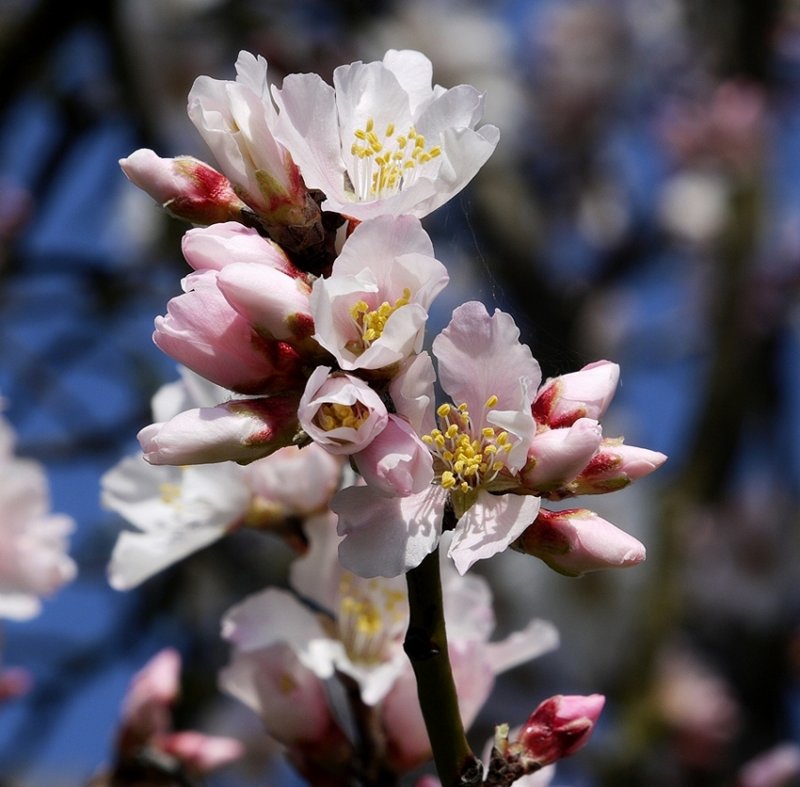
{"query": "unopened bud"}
[(576, 541), (185, 186), (583, 394), (559, 727), (614, 466)]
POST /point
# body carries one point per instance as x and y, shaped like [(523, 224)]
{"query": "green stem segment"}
[(426, 647)]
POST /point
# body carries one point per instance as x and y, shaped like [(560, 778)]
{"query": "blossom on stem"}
[(237, 120), (575, 541), (478, 449), (240, 430), (382, 140), (614, 466), (184, 186), (340, 412), (371, 311)]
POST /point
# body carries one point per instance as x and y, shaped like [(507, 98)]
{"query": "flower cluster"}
[(302, 327)]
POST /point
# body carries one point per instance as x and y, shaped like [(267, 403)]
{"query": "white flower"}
[(382, 140), (33, 542), (371, 311)]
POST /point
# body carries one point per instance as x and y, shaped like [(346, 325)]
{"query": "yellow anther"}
[(370, 124), (452, 431), (439, 440), (389, 130), (443, 410), (448, 456), (491, 402), (360, 134), (502, 438), (464, 487), (498, 465), (434, 152), (487, 432), (463, 407), (448, 480), (490, 449), (427, 439)]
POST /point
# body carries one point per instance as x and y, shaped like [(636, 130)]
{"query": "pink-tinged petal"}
[(490, 525), (215, 247), (576, 541), (316, 575), (459, 108), (481, 356), (387, 536), (272, 302), (201, 753), (583, 394), (290, 698), (396, 462), (240, 430), (308, 126), (412, 392), (557, 456), (325, 393), (473, 676), (413, 71), (536, 639), (407, 738)]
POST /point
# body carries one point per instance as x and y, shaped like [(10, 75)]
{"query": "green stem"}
[(426, 647)]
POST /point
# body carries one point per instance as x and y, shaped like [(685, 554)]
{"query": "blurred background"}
[(643, 206)]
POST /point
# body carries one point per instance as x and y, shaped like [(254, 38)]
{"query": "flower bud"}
[(185, 186), (559, 727), (240, 430), (614, 466), (576, 541), (341, 413), (556, 456), (583, 394)]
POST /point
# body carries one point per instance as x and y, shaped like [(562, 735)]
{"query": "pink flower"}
[(382, 140), (371, 312), (188, 188), (583, 394), (340, 412), (559, 727), (146, 724), (240, 430), (478, 451), (205, 333), (576, 541)]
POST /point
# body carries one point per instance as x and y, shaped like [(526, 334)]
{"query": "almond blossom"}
[(359, 633), (34, 562), (371, 311), (382, 140), (478, 449)]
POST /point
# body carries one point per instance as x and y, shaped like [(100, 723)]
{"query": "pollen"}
[(333, 415), (371, 323), (383, 165)]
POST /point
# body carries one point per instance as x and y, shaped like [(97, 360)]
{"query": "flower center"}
[(467, 460), (332, 416), (372, 614), (371, 322), (385, 164)]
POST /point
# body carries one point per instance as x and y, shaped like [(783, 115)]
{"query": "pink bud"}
[(340, 412), (274, 303), (240, 430), (201, 753), (202, 331), (582, 394), (614, 466), (576, 541), (188, 188), (396, 462), (556, 456), (215, 247), (559, 727)]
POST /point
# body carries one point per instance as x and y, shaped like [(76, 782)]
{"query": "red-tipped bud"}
[(576, 541), (559, 727), (185, 186), (583, 394), (614, 466)]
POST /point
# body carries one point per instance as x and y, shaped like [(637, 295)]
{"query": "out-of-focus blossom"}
[(34, 562), (147, 745), (340, 412), (575, 541), (371, 312), (186, 187), (382, 140), (777, 767), (360, 635), (176, 510)]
